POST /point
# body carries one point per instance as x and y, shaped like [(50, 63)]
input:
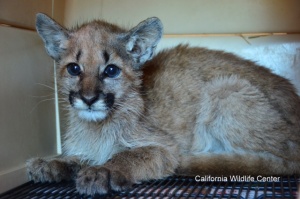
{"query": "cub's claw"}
[(100, 180)]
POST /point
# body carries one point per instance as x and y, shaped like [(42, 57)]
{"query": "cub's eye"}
[(73, 69), (112, 71)]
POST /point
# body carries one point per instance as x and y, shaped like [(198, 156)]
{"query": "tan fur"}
[(190, 110)]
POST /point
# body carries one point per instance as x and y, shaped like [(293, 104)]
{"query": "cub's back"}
[(173, 80)]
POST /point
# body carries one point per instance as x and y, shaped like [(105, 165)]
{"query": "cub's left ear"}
[(142, 40)]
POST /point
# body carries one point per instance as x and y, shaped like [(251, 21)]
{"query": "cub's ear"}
[(54, 36), (142, 40)]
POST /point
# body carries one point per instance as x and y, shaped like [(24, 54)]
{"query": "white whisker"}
[(40, 84), (41, 96), (45, 100)]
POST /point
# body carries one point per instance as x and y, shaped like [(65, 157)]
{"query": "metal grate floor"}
[(172, 187)]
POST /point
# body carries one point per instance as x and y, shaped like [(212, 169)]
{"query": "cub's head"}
[(98, 64)]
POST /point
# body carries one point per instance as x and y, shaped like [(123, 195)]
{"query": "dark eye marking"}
[(74, 69), (71, 97), (109, 100), (78, 55), (106, 56), (112, 71)]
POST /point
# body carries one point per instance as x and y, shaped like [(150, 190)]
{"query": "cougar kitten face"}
[(92, 90), (94, 79), (98, 63)]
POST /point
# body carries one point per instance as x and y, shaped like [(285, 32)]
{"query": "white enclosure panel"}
[(27, 108)]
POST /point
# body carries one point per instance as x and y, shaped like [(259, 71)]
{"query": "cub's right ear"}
[(54, 36), (142, 40)]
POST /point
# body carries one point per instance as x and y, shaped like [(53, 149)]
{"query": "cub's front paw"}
[(100, 180), (40, 170)]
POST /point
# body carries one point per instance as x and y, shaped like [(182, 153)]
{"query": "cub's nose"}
[(89, 99)]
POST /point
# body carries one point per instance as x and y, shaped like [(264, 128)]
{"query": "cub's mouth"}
[(92, 107)]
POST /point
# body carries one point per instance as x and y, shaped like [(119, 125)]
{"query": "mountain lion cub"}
[(190, 111)]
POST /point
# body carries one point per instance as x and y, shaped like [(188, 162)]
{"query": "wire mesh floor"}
[(172, 187)]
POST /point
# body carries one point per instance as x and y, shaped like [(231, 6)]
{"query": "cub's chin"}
[(92, 115), (90, 110)]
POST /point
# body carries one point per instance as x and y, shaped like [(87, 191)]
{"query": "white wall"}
[(26, 102), (27, 106)]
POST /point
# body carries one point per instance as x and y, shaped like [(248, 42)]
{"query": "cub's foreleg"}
[(126, 168), (53, 170)]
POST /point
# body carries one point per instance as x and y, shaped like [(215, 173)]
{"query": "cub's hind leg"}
[(236, 164), (236, 117), (239, 132)]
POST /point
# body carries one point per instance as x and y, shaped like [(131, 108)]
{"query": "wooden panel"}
[(193, 16), (22, 12), (59, 7)]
